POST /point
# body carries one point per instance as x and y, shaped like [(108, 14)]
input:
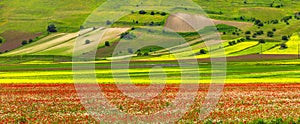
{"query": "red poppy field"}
[(57, 103)]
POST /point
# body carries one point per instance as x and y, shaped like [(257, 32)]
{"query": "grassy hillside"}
[(35, 15), (234, 19)]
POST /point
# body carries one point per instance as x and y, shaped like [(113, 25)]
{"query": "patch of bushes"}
[(127, 35)]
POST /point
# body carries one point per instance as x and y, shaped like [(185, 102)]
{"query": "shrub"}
[(130, 50), (256, 22), (202, 51), (283, 46), (1, 40), (127, 35), (260, 32), (274, 29), (152, 13), (30, 40), (248, 37), (51, 28), (24, 42), (248, 32), (232, 43), (262, 41), (151, 23), (163, 13), (142, 12), (87, 41), (285, 38), (270, 34), (242, 39), (260, 24), (108, 22), (275, 21), (146, 54), (139, 54), (107, 43)]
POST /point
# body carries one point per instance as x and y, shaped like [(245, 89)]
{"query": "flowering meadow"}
[(59, 103)]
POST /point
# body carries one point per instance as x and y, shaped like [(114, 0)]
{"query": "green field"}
[(235, 20), (47, 71)]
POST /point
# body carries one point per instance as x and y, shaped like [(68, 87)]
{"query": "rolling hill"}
[(237, 20)]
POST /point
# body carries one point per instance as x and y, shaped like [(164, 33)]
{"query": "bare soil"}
[(14, 39)]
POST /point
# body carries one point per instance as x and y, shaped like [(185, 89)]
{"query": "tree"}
[(87, 41), (163, 13), (248, 32), (127, 35), (108, 22), (107, 43), (81, 27), (270, 34), (283, 46), (285, 38), (146, 54), (30, 40), (260, 32), (274, 29), (142, 12), (24, 42), (151, 23), (130, 50), (260, 24), (248, 37), (51, 28), (202, 51), (152, 13), (139, 54), (262, 41), (256, 22), (1, 40)]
